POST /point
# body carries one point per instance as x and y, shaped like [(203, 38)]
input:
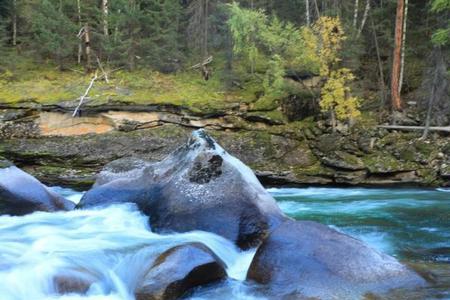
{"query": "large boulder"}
[(21, 193), (198, 187), (304, 259), (178, 270)]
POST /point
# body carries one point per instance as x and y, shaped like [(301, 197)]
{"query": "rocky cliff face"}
[(58, 149)]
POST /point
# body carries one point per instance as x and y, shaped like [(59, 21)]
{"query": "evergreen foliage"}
[(262, 49)]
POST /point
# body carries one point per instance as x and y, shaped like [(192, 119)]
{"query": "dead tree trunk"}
[(105, 17), (364, 19), (14, 24), (317, 9), (87, 47), (380, 67), (205, 28), (80, 46), (308, 17), (413, 128), (355, 13), (396, 62), (333, 120)]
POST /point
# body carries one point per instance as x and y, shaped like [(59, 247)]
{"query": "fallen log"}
[(410, 128)]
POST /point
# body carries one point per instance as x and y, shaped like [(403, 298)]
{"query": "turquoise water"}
[(410, 224), (406, 223), (115, 242)]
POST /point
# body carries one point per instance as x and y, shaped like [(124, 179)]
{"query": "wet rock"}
[(21, 193), (310, 260), (127, 167), (178, 270), (198, 187), (70, 283)]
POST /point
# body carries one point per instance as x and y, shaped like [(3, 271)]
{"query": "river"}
[(115, 244)]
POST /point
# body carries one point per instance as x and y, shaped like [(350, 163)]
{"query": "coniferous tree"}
[(54, 33)]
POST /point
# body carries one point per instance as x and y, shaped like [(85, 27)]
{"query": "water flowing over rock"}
[(21, 193), (303, 259), (180, 269), (198, 187)]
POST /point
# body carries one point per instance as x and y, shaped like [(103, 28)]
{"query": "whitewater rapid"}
[(113, 247)]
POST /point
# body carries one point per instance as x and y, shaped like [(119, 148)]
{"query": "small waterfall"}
[(112, 247)]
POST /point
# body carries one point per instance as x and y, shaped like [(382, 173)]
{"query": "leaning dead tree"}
[(84, 34), (203, 66), (84, 96)]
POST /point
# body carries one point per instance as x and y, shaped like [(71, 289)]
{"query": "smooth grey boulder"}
[(21, 193), (127, 167), (304, 260), (197, 187), (180, 269)]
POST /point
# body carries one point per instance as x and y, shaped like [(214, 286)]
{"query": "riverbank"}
[(47, 142)]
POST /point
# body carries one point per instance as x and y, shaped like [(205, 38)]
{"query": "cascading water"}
[(114, 246)]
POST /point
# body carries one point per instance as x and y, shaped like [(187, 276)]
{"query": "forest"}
[(219, 149), (363, 56)]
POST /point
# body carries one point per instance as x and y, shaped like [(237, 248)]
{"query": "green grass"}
[(45, 85)]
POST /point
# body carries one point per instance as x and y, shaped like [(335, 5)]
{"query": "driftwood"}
[(409, 128), (75, 112)]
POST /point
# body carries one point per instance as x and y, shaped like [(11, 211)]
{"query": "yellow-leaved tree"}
[(336, 95)]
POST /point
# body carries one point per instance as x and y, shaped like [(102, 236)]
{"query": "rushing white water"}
[(114, 246), (111, 246)]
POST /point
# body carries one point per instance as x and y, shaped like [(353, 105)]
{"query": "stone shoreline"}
[(58, 149)]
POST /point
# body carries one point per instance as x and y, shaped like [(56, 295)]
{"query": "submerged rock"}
[(21, 193), (180, 269), (303, 259), (198, 187)]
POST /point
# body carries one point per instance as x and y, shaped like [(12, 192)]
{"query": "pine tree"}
[(144, 32), (54, 33), (442, 35)]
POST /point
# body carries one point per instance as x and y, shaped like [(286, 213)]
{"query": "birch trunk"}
[(80, 46), (364, 19), (308, 18), (355, 14), (402, 65)]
